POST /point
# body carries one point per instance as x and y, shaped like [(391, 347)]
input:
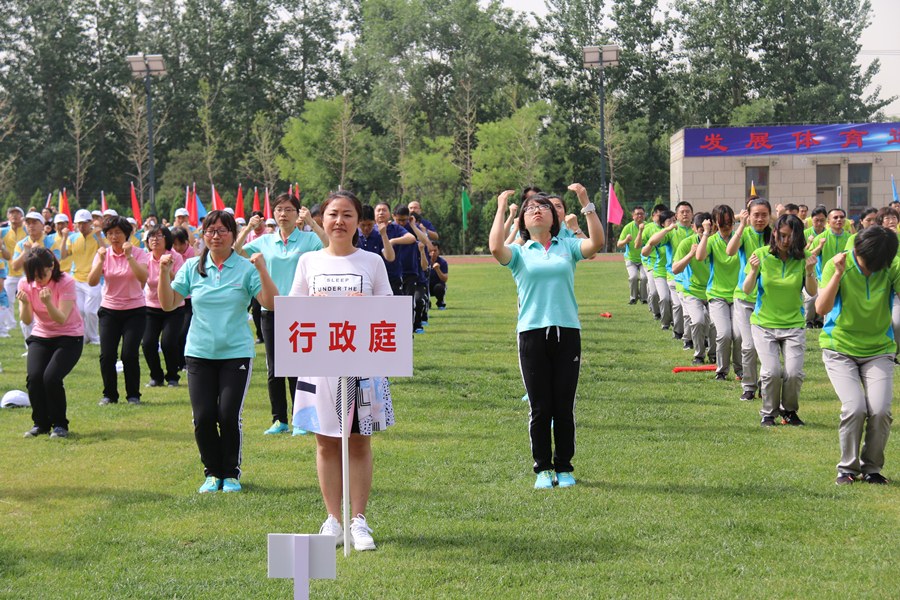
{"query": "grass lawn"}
[(680, 493)]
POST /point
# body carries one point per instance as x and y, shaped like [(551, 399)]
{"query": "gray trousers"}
[(699, 326), (780, 385), (809, 308), (728, 337), (677, 312), (741, 319), (652, 296), (637, 280), (865, 388), (665, 301)]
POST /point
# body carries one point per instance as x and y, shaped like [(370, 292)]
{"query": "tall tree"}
[(81, 125)]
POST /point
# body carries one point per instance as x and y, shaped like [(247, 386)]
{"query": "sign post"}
[(301, 558)]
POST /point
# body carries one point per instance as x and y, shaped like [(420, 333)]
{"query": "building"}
[(845, 165)]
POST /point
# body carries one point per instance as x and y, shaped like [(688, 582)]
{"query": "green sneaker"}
[(544, 480), (231, 485), (565, 479), (298, 431), (277, 427), (211, 485)]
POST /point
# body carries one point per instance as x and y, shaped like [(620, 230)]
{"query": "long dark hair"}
[(543, 201), (722, 213), (877, 246), (357, 205), (37, 260), (213, 217), (797, 248), (767, 232)]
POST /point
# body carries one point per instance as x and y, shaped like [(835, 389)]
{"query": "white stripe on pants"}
[(637, 280), (699, 326), (665, 301), (88, 301), (780, 385), (865, 388), (741, 318), (652, 296), (728, 337), (677, 313), (895, 318)]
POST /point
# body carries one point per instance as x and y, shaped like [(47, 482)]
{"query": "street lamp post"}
[(144, 66), (600, 57)]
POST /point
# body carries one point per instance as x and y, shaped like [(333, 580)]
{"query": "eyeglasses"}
[(535, 207), (284, 211), (216, 232)]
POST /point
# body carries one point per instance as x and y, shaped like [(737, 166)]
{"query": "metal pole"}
[(603, 198), (150, 142)]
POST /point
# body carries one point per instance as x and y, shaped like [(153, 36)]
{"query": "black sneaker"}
[(676, 335), (876, 478), (721, 377), (697, 362), (657, 317), (643, 302), (153, 383), (844, 479), (36, 431), (688, 345), (711, 358), (632, 301), (104, 401), (134, 400), (172, 383), (60, 432), (810, 325), (748, 396), (791, 418), (767, 422), (665, 327)]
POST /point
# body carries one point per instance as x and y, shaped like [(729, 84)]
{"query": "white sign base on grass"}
[(301, 558)]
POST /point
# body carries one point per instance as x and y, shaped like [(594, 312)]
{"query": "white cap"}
[(131, 220), (271, 222), (15, 399), (83, 216), (182, 212), (110, 213), (241, 221), (36, 216), (96, 213), (18, 208), (61, 218), (230, 211)]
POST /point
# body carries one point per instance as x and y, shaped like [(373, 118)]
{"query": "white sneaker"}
[(332, 526), (361, 534)]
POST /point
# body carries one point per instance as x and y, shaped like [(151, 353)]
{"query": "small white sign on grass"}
[(301, 558)]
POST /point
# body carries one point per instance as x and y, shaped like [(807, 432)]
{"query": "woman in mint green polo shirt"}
[(779, 272), (693, 274), (858, 347), (282, 250), (220, 347), (632, 240), (753, 232), (656, 256), (723, 278), (548, 327)]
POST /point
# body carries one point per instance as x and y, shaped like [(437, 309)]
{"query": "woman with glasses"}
[(548, 327), (122, 313), (281, 250), (220, 348), (778, 273), (163, 328)]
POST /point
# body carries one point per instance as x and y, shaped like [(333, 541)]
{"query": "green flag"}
[(466, 207)]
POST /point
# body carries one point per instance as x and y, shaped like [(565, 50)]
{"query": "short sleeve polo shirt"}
[(281, 258), (751, 240), (779, 297), (632, 252), (723, 269), (219, 327), (695, 276), (833, 245), (545, 280)]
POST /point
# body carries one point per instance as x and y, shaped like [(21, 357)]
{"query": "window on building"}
[(828, 178), (859, 179), (759, 177)]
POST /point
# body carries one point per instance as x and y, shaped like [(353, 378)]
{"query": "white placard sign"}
[(361, 336), (301, 558)]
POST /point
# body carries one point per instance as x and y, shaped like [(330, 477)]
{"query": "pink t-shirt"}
[(189, 252), (44, 325), (121, 289), (150, 292)]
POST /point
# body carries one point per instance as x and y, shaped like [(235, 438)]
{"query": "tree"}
[(79, 129), (132, 119), (210, 134), (260, 162), (8, 158), (508, 155)]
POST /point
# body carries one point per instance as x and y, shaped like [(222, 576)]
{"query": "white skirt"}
[(317, 406)]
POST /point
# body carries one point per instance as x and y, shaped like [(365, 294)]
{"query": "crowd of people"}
[(187, 292), (741, 290)]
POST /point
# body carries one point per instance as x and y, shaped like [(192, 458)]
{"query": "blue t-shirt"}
[(394, 269), (407, 254), (434, 278), (281, 258), (219, 328), (545, 280)]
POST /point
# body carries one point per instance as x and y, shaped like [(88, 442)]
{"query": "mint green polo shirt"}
[(833, 245), (545, 280), (219, 329), (281, 258), (649, 229), (695, 276), (751, 240), (723, 269), (670, 244), (860, 322), (779, 297), (632, 253)]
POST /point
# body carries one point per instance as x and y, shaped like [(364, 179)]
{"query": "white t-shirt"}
[(321, 273)]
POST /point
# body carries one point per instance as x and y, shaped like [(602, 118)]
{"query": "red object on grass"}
[(606, 315), (693, 369)]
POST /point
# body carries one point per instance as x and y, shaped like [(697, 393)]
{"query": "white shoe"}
[(332, 526), (361, 534)]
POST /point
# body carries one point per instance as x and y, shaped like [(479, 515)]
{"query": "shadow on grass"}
[(755, 491), (157, 435), (116, 496)]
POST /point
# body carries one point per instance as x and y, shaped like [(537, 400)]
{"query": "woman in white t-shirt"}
[(342, 269)]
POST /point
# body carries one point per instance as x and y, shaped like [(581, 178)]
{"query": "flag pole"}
[(345, 459)]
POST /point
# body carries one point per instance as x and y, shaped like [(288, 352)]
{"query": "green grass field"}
[(680, 493)]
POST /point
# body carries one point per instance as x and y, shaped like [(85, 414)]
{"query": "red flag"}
[(297, 190), (217, 203), (239, 203), (614, 212), (268, 212), (291, 190), (255, 199), (64, 204), (190, 203), (135, 206), (49, 197), (103, 205)]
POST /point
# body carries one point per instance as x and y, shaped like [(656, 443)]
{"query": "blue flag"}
[(201, 210), (894, 189)]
